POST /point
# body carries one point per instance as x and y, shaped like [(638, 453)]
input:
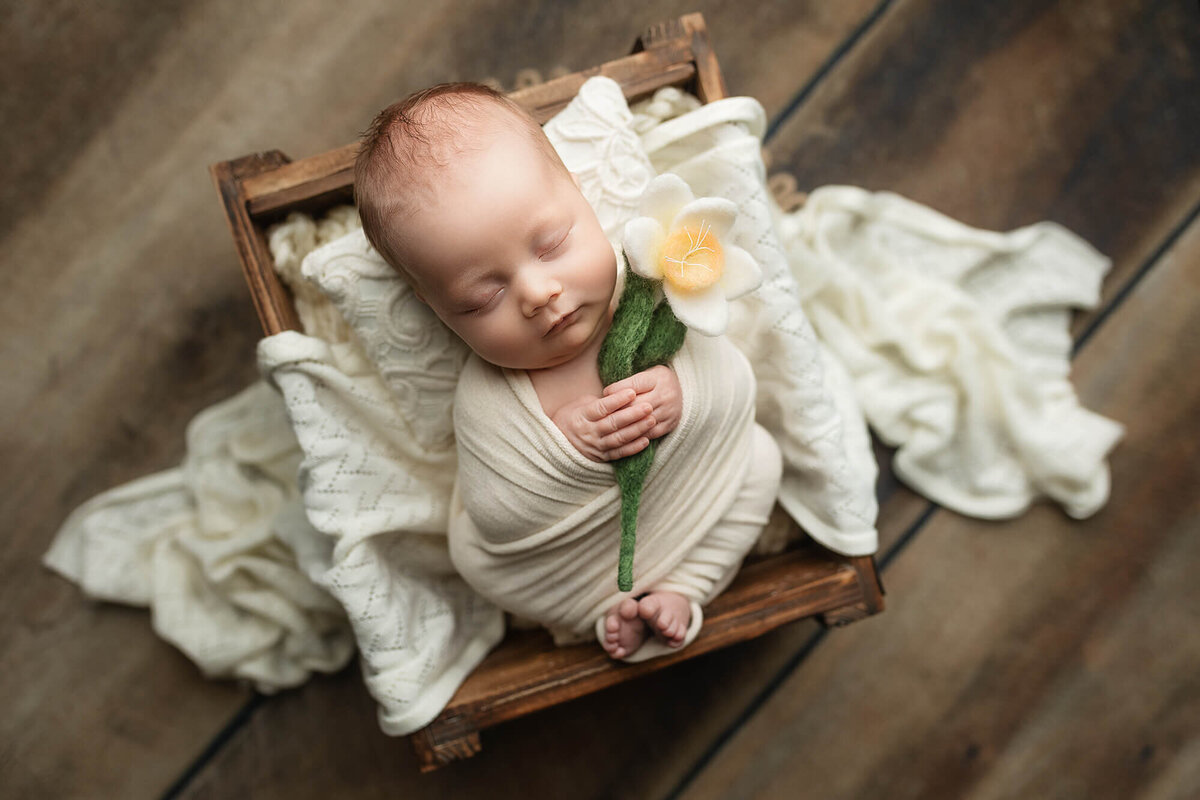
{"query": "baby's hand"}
[(606, 428), (658, 386)]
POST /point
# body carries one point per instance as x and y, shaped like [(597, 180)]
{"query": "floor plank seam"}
[(828, 66), (907, 537), (749, 711), (236, 723), (1125, 291)]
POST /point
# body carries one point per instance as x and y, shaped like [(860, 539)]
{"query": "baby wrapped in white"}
[(535, 526)]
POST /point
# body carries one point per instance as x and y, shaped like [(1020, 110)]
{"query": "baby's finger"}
[(641, 382), (625, 417), (627, 433), (659, 430), (635, 446), (594, 412)]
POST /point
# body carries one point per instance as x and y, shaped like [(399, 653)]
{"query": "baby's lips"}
[(557, 324)]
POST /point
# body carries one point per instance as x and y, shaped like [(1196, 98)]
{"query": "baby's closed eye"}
[(557, 246), (482, 305)]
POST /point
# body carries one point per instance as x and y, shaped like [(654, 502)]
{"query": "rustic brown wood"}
[(1084, 114), (274, 305), (670, 63), (452, 739), (117, 324), (709, 84), (871, 588), (1041, 657)]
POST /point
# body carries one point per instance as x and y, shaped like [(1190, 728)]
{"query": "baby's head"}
[(461, 192)]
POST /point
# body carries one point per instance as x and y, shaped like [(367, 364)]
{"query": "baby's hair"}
[(406, 141)]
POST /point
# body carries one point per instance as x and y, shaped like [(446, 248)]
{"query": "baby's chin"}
[(546, 359), (532, 364)]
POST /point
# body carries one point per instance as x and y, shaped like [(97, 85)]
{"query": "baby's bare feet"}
[(668, 614), (624, 630)]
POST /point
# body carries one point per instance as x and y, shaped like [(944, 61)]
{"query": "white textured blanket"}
[(953, 341)]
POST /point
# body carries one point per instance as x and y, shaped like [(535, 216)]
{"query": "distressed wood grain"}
[(1003, 114)]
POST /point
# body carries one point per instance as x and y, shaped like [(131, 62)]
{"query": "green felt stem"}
[(631, 476), (641, 337), (662, 342), (630, 323)]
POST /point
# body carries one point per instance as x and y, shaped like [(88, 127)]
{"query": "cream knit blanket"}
[(535, 526)]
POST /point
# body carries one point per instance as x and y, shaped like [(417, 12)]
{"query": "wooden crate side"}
[(271, 298), (527, 673), (710, 83), (669, 63)]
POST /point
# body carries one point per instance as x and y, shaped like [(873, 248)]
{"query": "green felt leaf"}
[(641, 336)]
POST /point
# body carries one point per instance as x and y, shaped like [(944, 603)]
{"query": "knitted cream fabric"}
[(211, 547), (958, 344)]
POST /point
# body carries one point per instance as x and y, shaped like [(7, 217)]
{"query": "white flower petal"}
[(663, 198), (642, 241), (742, 274), (717, 212), (705, 312)]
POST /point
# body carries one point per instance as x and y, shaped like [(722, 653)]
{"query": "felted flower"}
[(684, 242)]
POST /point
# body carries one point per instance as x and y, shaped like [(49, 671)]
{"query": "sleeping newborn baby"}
[(462, 193)]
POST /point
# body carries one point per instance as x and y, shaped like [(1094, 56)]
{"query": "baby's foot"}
[(668, 614), (624, 630)]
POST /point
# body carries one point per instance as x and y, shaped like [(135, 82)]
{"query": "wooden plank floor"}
[(1034, 658)]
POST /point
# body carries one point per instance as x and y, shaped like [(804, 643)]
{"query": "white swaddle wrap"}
[(535, 526), (370, 416)]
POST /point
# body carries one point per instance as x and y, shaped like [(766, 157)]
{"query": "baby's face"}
[(511, 257)]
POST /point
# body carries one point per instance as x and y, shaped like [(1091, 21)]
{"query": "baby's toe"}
[(628, 609), (649, 609)]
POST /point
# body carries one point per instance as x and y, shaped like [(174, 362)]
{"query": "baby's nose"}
[(538, 292)]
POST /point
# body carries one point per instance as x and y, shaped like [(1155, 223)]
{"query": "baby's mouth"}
[(560, 323)]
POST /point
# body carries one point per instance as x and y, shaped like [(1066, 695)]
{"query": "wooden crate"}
[(527, 672)]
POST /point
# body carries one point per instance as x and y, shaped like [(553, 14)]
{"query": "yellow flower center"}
[(692, 258)]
